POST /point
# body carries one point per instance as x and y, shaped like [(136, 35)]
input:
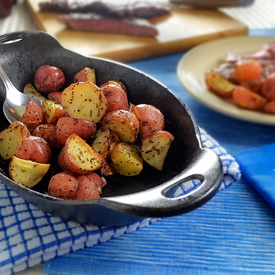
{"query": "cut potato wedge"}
[(84, 100), (79, 156), (30, 90), (102, 142), (123, 123), (219, 85), (27, 173), (155, 148), (86, 74), (150, 118), (126, 160), (11, 138), (52, 111)]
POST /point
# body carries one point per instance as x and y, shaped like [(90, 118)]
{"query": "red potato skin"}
[(33, 116), (247, 71), (87, 188), (55, 96), (48, 133), (269, 107), (116, 97), (63, 185), (268, 87), (67, 125), (61, 161), (48, 79), (150, 118), (35, 149), (114, 82), (244, 98)]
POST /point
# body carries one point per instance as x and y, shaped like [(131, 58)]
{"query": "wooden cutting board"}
[(178, 31)]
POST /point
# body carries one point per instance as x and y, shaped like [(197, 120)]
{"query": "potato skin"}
[(268, 87), (63, 185), (48, 79), (67, 125), (55, 96), (116, 97), (35, 149), (150, 118), (33, 116), (89, 187), (269, 107), (48, 133)]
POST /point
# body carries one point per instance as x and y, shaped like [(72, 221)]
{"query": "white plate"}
[(193, 65)]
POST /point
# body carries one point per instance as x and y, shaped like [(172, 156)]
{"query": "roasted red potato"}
[(244, 98), (89, 187), (116, 97), (150, 119), (218, 85), (114, 82), (268, 87), (48, 133), (269, 107), (26, 172), (155, 148), (30, 90), (55, 96), (11, 138), (63, 185), (79, 157), (86, 74), (126, 160), (35, 149), (123, 123), (52, 111), (49, 79), (60, 160), (33, 116), (66, 126), (247, 71), (254, 85), (84, 100)]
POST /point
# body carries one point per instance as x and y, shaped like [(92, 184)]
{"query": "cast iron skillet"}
[(124, 199)]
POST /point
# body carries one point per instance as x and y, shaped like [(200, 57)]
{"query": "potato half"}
[(84, 100), (11, 138), (27, 173)]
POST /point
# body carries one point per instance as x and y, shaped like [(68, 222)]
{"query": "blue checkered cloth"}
[(29, 236)]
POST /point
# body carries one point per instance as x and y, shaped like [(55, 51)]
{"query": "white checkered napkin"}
[(28, 236)]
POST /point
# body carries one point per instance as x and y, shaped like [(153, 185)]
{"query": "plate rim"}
[(184, 74)]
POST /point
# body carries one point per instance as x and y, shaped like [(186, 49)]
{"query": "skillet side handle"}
[(206, 167)]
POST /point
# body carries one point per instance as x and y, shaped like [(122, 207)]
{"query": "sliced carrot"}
[(246, 99), (247, 71)]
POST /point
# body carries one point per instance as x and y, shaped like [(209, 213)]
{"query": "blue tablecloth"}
[(234, 233)]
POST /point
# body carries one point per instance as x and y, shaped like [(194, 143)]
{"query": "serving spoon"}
[(16, 102)]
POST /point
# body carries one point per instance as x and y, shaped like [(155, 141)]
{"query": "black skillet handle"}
[(13, 40), (206, 167)]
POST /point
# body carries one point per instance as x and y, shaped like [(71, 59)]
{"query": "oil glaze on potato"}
[(155, 148), (48, 79), (26, 172), (33, 116), (123, 123), (11, 138), (150, 118), (79, 157), (84, 100), (126, 160), (35, 149), (66, 126)]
